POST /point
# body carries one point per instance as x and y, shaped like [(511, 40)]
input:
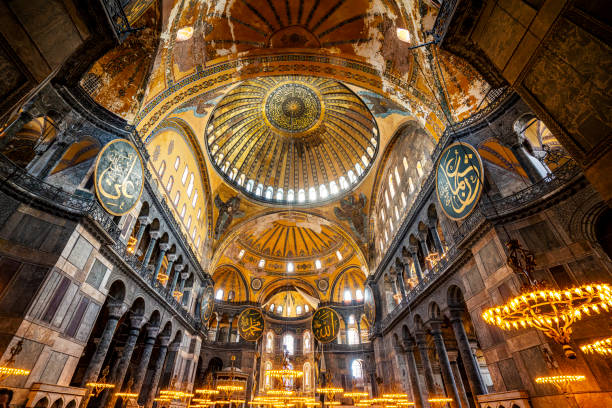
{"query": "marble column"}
[(157, 371), (155, 235), (163, 248), (143, 364), (417, 265), (95, 364), (427, 370), (358, 321), (399, 268), (42, 165), (447, 373), (171, 260), (452, 357), (122, 366), (467, 357), (144, 221), (177, 271), (229, 330), (417, 396), (217, 334), (433, 230), (424, 248), (535, 170)]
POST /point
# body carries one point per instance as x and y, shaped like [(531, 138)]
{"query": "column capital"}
[(184, 275), (152, 332), (456, 314), (155, 234), (172, 257), (435, 326), (408, 344), (179, 267), (399, 263), (145, 220), (413, 251), (164, 340), (136, 322), (115, 310), (164, 246), (452, 355)]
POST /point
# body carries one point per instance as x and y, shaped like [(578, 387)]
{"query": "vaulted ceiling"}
[(285, 108)]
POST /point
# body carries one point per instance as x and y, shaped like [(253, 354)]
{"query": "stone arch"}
[(71, 404), (154, 319), (117, 291), (454, 296), (42, 403), (58, 403), (434, 311)]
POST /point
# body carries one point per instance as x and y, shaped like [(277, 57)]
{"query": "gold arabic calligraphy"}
[(118, 177), (251, 324), (459, 180), (325, 325)]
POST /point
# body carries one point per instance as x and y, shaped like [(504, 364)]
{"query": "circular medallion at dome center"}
[(293, 107)]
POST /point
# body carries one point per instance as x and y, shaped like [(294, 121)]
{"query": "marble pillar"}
[(171, 260), (157, 372), (122, 366), (144, 221), (229, 330), (467, 357), (417, 265), (445, 367), (417, 395), (95, 364), (143, 363), (452, 357), (155, 235), (427, 370), (436, 237), (177, 271), (163, 248)]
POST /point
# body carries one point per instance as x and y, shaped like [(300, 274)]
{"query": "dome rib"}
[(292, 139)]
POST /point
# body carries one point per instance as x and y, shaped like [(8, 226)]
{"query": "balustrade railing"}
[(55, 197), (486, 210)]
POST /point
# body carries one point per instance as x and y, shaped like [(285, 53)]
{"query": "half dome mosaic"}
[(292, 140)]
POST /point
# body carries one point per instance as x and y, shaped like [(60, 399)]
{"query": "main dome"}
[(292, 139)]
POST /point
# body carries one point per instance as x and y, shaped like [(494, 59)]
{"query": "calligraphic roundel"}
[(251, 324), (459, 177), (207, 305), (325, 324), (118, 177)]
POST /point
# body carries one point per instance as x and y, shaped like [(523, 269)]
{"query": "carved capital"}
[(164, 246), (115, 310), (155, 235), (152, 332), (172, 257), (136, 322), (184, 275), (179, 267), (145, 220)]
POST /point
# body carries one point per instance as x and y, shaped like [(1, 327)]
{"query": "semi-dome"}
[(292, 139)]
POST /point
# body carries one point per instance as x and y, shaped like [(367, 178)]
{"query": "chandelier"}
[(126, 395), (560, 379), (553, 312), (603, 347), (98, 386), (284, 373), (440, 400)]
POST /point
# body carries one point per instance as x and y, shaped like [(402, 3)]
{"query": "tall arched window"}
[(307, 342), (391, 186), (177, 197), (230, 295), (358, 294), (347, 296), (177, 162), (288, 343), (219, 294), (162, 168), (170, 183), (190, 185), (398, 180), (419, 169), (185, 173), (270, 341), (357, 369), (306, 376)]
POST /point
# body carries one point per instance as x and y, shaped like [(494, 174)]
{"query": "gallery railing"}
[(48, 196), (487, 210)]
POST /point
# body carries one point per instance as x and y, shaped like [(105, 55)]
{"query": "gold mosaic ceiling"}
[(292, 139), (289, 243)]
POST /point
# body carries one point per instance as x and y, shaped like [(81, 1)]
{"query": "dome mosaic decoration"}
[(292, 139)]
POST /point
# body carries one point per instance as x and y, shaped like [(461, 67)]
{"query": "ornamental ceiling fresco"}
[(293, 96)]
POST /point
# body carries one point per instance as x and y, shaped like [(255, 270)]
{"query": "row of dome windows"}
[(298, 309), (290, 266), (177, 196), (395, 178), (313, 195)]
